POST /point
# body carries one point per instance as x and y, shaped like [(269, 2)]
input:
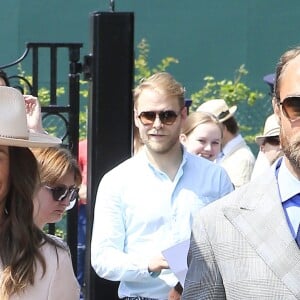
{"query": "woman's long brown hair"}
[(20, 239)]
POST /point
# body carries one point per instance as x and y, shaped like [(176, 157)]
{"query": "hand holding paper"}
[(176, 256)]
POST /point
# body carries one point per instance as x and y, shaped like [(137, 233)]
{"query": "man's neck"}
[(167, 162), (227, 138)]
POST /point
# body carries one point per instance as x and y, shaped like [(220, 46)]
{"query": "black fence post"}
[(109, 117), (73, 134)]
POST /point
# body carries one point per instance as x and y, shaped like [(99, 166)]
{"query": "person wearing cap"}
[(269, 146), (145, 204), (32, 264), (236, 157), (247, 244), (269, 80)]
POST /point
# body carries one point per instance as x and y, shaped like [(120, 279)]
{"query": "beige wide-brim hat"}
[(13, 123), (271, 129), (219, 108)]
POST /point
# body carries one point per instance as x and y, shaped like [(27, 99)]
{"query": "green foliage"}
[(44, 93), (84, 93), (232, 91), (59, 231), (141, 63)]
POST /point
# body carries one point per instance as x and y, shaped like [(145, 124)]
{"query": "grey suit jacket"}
[(242, 248)]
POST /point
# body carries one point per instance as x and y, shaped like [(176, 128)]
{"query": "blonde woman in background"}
[(201, 134)]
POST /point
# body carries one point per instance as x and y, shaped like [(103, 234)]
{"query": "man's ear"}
[(136, 118), (183, 113), (276, 108), (182, 138)]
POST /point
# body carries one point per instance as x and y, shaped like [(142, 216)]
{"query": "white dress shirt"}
[(139, 212)]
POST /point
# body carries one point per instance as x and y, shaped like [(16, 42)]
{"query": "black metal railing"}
[(66, 110)]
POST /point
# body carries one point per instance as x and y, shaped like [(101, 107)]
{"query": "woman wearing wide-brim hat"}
[(32, 264)]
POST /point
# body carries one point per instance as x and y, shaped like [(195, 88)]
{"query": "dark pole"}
[(109, 117), (73, 130)]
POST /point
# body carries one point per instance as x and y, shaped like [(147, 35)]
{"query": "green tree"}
[(141, 63), (234, 92)]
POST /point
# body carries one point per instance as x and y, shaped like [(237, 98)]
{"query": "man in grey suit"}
[(244, 246)]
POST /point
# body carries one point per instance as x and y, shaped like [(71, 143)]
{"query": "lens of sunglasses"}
[(167, 117), (73, 197), (73, 194), (60, 193), (291, 107)]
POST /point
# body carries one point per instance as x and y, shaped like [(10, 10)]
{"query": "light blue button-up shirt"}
[(139, 212), (289, 186)]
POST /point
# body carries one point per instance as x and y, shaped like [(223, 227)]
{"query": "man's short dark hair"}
[(231, 125)]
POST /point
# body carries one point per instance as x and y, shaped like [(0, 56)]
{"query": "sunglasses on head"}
[(60, 193), (167, 117), (291, 107)]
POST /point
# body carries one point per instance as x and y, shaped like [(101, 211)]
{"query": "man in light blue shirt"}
[(145, 204)]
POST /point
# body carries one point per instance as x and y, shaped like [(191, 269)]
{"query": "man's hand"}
[(33, 114), (158, 263)]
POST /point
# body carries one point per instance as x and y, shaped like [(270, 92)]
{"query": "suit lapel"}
[(261, 220)]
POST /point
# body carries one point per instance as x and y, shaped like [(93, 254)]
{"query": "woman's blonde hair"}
[(55, 163), (199, 117)]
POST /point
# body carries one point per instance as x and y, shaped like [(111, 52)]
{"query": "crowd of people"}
[(192, 180)]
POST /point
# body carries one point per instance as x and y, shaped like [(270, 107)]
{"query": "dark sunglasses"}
[(291, 107), (60, 193), (272, 140), (167, 117)]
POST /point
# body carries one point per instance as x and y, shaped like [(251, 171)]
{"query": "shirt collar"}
[(288, 184), (232, 144), (143, 155)]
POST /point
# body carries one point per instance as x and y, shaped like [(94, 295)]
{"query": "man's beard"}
[(291, 149)]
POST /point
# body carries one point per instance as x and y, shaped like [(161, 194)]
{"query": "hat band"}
[(223, 114)]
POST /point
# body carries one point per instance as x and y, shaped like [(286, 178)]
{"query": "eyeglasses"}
[(291, 107), (60, 193), (167, 117)]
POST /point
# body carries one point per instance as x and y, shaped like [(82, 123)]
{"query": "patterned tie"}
[(298, 237)]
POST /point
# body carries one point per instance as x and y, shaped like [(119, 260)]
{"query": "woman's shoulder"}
[(56, 244)]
